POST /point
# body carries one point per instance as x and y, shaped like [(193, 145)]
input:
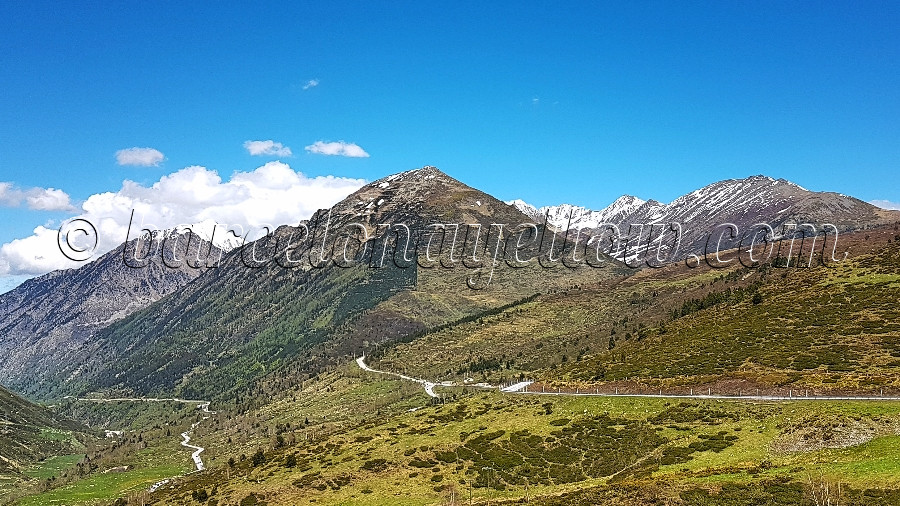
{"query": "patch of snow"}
[(516, 387), (210, 231), (157, 485)]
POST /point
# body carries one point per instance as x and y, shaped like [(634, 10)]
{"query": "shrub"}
[(259, 458), (374, 464)]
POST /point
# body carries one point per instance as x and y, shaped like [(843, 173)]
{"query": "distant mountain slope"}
[(48, 322), (27, 433), (833, 328), (243, 320), (743, 202)]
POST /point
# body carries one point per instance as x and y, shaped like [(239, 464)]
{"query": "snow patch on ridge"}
[(581, 217)]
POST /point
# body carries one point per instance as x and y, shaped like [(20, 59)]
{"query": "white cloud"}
[(9, 196), (47, 199), (141, 157), (38, 199), (340, 148), (270, 147), (886, 204), (312, 83), (271, 195)]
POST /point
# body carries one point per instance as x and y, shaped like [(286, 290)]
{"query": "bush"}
[(259, 458), (374, 465)]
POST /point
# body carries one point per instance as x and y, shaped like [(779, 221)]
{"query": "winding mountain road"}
[(521, 388), (429, 386)]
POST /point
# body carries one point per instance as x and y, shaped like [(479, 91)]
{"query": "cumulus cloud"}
[(47, 199), (38, 199), (9, 196), (267, 148), (886, 204), (141, 157), (312, 83), (271, 195), (339, 148)]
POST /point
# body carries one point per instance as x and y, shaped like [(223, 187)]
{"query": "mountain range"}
[(701, 213), (207, 332)]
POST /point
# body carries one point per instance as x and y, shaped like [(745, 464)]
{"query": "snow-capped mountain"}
[(581, 217), (743, 202), (214, 233)]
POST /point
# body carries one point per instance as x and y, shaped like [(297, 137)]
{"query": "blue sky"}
[(550, 103)]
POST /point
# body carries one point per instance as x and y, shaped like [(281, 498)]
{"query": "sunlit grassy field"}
[(492, 446)]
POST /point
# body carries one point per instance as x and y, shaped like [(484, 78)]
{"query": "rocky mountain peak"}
[(744, 202), (425, 193)]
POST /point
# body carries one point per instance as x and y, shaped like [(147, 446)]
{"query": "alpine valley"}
[(422, 342)]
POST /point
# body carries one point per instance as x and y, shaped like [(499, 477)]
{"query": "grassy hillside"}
[(827, 329), (144, 449), (494, 447), (29, 435), (217, 337), (299, 423)]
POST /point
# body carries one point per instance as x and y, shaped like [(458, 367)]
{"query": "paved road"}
[(429, 386), (723, 396), (516, 387), (521, 388)]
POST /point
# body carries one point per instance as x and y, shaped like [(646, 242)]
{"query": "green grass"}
[(874, 464), (53, 466), (151, 452), (491, 445), (826, 329), (56, 435), (102, 488)]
